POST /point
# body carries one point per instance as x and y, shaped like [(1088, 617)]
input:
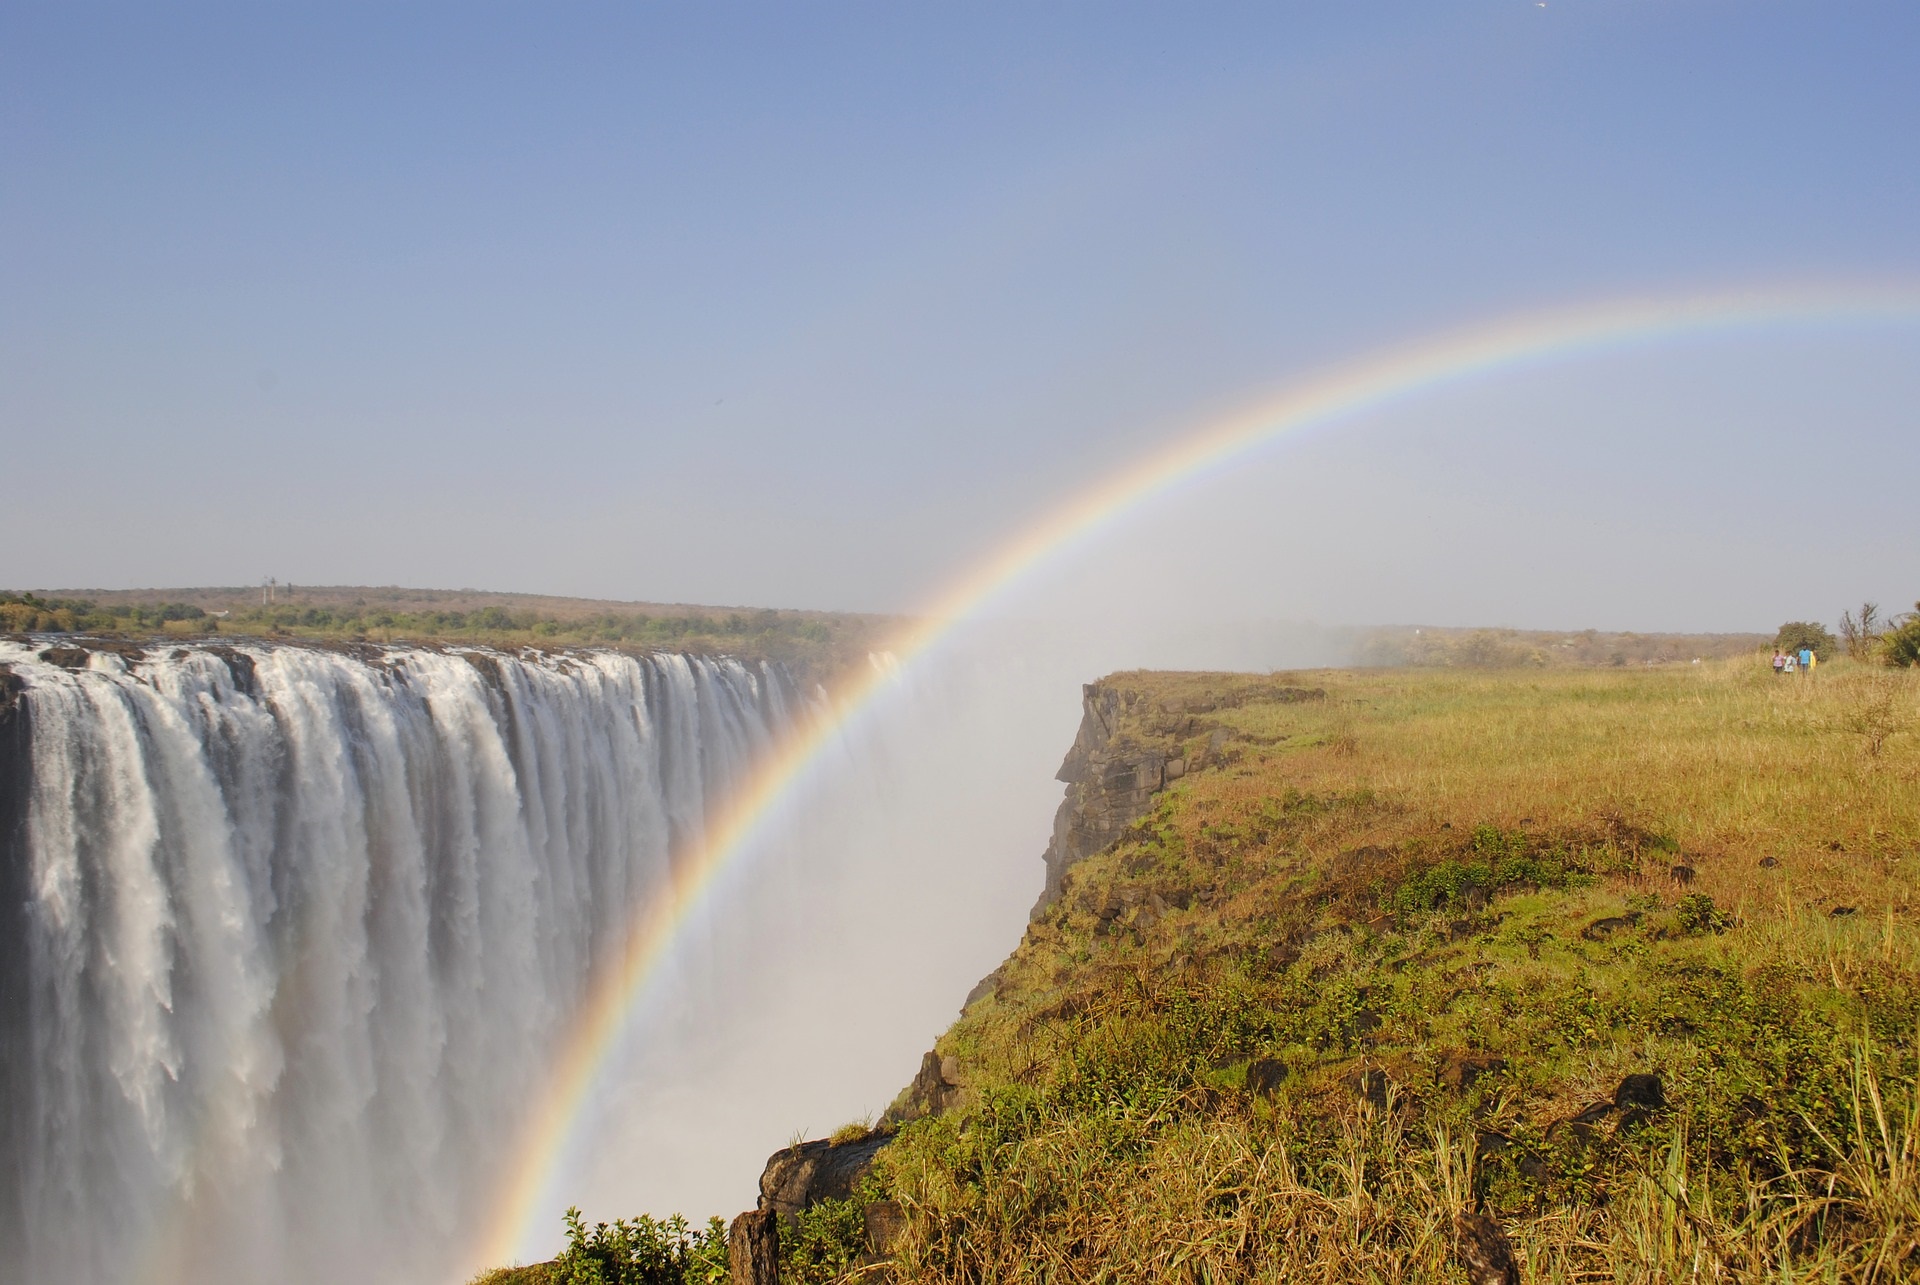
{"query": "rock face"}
[(753, 1249), (1111, 776), (797, 1178), (1111, 780), (1127, 750), (801, 1176), (931, 1091), (1485, 1251)]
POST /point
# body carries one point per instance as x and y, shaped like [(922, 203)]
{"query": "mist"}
[(898, 873)]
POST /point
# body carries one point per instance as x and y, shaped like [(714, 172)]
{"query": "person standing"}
[(1792, 666), (1806, 660), (1779, 662)]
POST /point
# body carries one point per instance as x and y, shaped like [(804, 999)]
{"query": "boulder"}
[(1639, 1096), (1600, 929), (1642, 1090), (1485, 1251), (1265, 1075), (799, 1177)]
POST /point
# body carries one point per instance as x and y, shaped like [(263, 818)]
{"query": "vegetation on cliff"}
[(1613, 974), (816, 643)]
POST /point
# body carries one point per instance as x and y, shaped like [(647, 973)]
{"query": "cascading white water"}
[(288, 933)]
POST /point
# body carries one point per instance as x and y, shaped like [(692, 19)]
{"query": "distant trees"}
[(1798, 634), (22, 613), (815, 644)]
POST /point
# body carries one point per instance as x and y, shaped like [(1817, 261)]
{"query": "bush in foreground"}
[(1900, 646)]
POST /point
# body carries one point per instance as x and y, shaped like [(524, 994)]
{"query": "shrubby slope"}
[(1616, 973)]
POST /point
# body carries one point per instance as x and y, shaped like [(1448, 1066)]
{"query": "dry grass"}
[(1426, 868)]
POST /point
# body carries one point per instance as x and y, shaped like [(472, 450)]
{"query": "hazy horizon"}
[(813, 310)]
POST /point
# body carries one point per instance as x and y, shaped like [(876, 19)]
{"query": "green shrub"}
[(1901, 646), (819, 1244), (641, 1251), (1796, 634), (1697, 914), (1496, 859)]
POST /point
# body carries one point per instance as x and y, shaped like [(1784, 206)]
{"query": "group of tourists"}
[(1794, 662)]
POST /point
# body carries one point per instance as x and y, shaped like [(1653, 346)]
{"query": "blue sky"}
[(807, 305)]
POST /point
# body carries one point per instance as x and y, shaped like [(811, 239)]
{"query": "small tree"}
[(1796, 634), (1901, 644), (1861, 633)]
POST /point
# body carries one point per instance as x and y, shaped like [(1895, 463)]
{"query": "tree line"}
[(1865, 636)]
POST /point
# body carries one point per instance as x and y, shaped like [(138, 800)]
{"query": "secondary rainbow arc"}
[(1344, 392)]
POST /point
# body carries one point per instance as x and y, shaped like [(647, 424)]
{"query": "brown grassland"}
[(1389, 960)]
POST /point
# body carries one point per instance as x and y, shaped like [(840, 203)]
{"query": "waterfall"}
[(286, 933)]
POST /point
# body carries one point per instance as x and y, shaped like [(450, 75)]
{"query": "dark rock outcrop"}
[(1265, 1076), (1642, 1090), (800, 1176), (1371, 1085), (1111, 780), (934, 1089), (1485, 1251), (797, 1178), (1459, 1070), (66, 657), (753, 1248)]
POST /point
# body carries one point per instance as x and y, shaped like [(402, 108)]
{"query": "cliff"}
[(1130, 746), (1427, 976)]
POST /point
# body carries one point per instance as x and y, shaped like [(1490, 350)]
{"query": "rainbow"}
[(1360, 386)]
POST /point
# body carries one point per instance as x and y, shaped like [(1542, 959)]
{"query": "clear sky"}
[(806, 305)]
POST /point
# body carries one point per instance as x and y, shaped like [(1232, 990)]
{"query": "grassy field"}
[(1383, 969)]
